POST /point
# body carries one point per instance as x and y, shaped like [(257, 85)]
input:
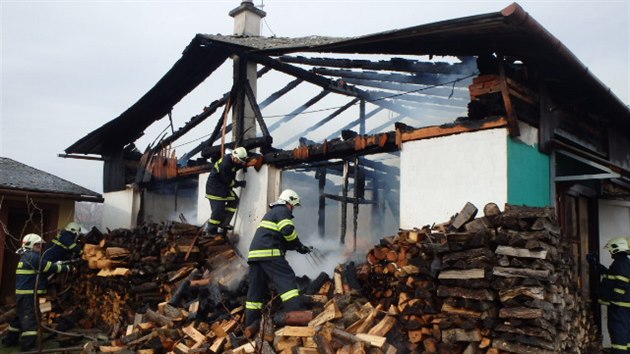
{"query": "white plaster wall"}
[(203, 206), (262, 187), (120, 209), (438, 176), (614, 221)]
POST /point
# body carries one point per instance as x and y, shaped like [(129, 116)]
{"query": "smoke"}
[(231, 275), (331, 253)]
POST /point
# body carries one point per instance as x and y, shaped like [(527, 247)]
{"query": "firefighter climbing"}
[(223, 199)]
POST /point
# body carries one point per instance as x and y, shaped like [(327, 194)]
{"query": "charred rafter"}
[(276, 95), (394, 64), (359, 145), (356, 122), (322, 81), (441, 103), (196, 120), (320, 122), (438, 91), (418, 78), (299, 110)]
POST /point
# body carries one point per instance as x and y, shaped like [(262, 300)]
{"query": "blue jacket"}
[(63, 247), (26, 273), (615, 283), (274, 236), (222, 178)]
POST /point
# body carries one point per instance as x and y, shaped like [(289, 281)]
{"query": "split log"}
[(521, 273), (520, 252), (479, 273)]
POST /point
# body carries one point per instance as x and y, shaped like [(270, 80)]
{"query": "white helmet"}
[(31, 240), (616, 245), (240, 153), (73, 227), (289, 196)]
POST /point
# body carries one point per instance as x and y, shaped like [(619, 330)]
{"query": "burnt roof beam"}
[(321, 81), (379, 143), (196, 120), (276, 95), (418, 78), (441, 103), (457, 92), (320, 123), (299, 110), (355, 122), (394, 64)]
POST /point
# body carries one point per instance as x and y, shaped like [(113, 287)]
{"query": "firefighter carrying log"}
[(614, 292), (274, 236), (223, 200), (30, 275)]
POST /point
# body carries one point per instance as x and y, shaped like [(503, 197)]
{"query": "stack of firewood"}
[(132, 270), (503, 282)]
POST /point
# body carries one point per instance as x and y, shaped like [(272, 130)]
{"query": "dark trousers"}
[(23, 323), (222, 212), (619, 328), (261, 275)]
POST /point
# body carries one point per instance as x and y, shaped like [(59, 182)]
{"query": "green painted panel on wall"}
[(528, 175)]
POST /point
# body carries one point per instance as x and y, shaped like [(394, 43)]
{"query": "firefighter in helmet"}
[(30, 282), (65, 245), (274, 236), (614, 292), (223, 199)]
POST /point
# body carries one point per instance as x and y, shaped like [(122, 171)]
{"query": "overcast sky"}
[(68, 67)]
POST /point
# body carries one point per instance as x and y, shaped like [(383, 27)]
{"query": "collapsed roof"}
[(509, 33)]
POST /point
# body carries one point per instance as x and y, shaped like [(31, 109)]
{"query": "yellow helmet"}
[(616, 245), (73, 227), (240, 153), (31, 240)]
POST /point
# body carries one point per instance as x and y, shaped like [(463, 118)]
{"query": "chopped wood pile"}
[(501, 283), (132, 271), (504, 282)]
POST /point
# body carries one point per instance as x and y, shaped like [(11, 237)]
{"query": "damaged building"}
[(393, 130)]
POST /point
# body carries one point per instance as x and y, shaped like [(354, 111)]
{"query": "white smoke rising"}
[(331, 253)]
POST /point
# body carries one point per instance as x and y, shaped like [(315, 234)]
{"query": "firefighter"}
[(30, 272), (614, 292), (65, 245), (275, 235), (223, 199)]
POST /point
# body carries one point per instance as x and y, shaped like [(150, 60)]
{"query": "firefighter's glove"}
[(63, 267), (241, 184), (591, 258), (304, 249)]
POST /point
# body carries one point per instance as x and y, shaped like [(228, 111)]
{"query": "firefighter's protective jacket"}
[(221, 179), (274, 236), (63, 247), (615, 284), (26, 273)]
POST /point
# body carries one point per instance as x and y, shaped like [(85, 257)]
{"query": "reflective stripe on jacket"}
[(26, 273), (275, 235), (63, 247), (221, 178), (615, 282)]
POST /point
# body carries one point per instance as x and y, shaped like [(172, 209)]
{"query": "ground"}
[(47, 344)]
